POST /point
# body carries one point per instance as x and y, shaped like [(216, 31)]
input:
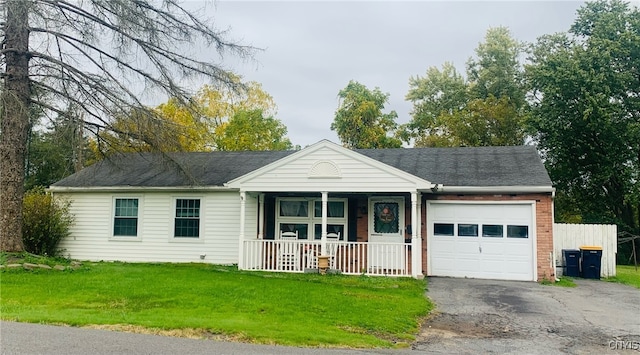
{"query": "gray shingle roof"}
[(468, 166), (477, 166), (172, 169)]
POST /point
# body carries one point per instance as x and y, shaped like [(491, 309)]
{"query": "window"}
[(386, 217), (443, 229), (305, 216), (335, 209), (125, 222), (467, 230), (331, 228), (517, 231), (187, 222), (492, 230), (294, 208), (303, 229)]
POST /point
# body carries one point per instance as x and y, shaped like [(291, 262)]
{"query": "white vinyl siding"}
[(91, 234), (355, 175)]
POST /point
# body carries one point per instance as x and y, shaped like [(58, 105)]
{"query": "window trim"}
[(496, 236), (112, 222), (517, 226), (201, 217), (453, 229), (468, 225), (311, 220)]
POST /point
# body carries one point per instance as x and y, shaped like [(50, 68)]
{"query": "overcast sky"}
[(313, 49)]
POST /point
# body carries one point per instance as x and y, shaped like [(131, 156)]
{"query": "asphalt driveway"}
[(483, 316)]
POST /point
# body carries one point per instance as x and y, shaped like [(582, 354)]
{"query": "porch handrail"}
[(350, 258)]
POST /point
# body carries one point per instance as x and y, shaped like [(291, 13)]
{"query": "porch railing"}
[(351, 258)]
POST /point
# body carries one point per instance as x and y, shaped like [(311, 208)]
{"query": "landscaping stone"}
[(29, 266), (43, 266), (13, 266), (59, 267)]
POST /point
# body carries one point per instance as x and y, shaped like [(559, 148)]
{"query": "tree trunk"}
[(14, 123)]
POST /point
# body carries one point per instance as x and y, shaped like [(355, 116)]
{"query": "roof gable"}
[(326, 165)]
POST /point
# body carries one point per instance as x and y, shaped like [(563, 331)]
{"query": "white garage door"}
[(481, 240)]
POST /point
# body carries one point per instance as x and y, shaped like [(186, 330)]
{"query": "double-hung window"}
[(187, 218), (125, 221)]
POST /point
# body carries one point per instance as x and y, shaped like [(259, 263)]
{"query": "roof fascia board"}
[(138, 188), (444, 189), (336, 190)]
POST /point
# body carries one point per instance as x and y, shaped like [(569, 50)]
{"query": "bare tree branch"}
[(95, 56)]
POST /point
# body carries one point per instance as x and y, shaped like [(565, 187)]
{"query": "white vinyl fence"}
[(573, 236)]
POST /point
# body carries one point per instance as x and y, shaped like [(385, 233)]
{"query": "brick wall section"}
[(363, 221), (544, 227)]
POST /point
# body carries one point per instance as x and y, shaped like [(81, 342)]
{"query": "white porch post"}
[(415, 247), (419, 236), (323, 240), (243, 205), (261, 216)]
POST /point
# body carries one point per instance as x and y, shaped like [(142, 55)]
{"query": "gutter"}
[(127, 188), (442, 189)]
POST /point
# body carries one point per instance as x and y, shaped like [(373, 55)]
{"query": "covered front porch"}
[(353, 234), (329, 203)]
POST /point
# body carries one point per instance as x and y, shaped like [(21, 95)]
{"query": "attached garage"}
[(487, 240)]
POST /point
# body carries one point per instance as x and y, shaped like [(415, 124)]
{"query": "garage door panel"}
[(494, 266), (445, 212), (445, 246), (493, 248), (517, 249), (466, 248), (467, 268), (445, 266), (481, 257)]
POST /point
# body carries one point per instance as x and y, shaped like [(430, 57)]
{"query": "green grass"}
[(270, 308), (626, 274), (564, 281), (9, 258)]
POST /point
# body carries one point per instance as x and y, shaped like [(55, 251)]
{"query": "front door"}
[(386, 233)]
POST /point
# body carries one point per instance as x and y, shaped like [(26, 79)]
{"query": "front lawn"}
[(626, 274), (221, 302)]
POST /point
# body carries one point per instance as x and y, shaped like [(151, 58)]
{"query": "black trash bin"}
[(571, 262), (591, 261)]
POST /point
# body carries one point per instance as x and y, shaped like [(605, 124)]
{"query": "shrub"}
[(45, 222)]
